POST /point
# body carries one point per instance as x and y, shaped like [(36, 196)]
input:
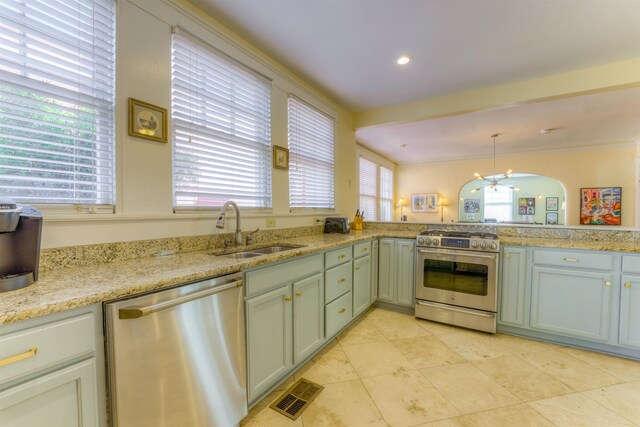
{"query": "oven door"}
[(462, 278)]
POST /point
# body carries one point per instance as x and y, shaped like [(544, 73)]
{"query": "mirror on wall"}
[(523, 199)]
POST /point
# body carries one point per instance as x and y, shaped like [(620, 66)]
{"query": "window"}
[(57, 88), (386, 194), (221, 120), (376, 190), (369, 188), (310, 158), (498, 203)]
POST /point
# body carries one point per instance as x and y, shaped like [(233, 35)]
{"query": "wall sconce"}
[(402, 203), (441, 204)]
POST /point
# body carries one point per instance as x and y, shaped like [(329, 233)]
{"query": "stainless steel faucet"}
[(250, 236), (221, 219)]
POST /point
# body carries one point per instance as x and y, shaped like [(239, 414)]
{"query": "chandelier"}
[(494, 182)]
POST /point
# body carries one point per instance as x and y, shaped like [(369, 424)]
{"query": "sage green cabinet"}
[(361, 284), (630, 312), (269, 339), (373, 295), (308, 316), (396, 271), (569, 302), (513, 281)]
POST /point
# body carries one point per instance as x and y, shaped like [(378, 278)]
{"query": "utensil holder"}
[(357, 223)]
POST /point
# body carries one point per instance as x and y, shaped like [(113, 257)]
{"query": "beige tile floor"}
[(390, 369)]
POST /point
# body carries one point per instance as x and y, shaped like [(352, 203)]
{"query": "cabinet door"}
[(361, 284), (374, 272), (512, 286), (308, 316), (64, 398), (269, 333), (571, 302), (405, 272), (630, 312), (386, 276)]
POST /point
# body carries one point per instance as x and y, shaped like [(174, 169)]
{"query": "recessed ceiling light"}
[(403, 60)]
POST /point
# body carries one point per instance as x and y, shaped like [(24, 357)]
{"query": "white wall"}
[(143, 170)]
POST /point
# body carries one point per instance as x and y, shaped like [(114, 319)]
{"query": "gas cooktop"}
[(463, 240)]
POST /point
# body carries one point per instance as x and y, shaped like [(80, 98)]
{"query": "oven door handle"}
[(456, 254)]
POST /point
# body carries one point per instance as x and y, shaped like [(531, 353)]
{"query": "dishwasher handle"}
[(137, 312)]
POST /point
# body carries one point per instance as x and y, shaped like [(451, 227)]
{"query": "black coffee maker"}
[(20, 232)]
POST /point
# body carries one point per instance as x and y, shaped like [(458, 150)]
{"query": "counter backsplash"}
[(76, 256)]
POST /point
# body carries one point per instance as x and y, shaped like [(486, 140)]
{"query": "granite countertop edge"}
[(75, 287)]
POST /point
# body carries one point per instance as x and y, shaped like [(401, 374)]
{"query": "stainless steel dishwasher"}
[(177, 357)]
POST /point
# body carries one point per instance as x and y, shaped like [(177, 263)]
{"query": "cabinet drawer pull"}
[(287, 297), (358, 268), (627, 285), (571, 259), (341, 256), (342, 280), (27, 354), (365, 249), (342, 310), (298, 294), (607, 282)]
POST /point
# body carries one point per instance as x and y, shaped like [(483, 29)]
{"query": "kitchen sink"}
[(250, 253)]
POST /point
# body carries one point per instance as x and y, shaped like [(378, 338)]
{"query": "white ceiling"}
[(597, 120), (347, 48)]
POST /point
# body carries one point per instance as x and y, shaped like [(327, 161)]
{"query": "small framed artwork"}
[(424, 202), (601, 206), (526, 206), (472, 206), (552, 218), (147, 121), (280, 157), (552, 203)]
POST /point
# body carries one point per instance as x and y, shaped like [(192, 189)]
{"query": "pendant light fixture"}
[(494, 182)]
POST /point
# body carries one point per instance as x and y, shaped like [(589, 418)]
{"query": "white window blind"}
[(310, 158), (386, 194), (221, 128), (57, 86), (498, 203), (368, 189)]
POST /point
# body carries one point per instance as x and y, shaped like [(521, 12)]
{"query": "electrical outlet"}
[(271, 222), (318, 220)]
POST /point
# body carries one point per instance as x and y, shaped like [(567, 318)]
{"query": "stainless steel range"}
[(456, 278)]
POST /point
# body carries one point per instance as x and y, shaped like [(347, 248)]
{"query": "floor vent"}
[(297, 398)]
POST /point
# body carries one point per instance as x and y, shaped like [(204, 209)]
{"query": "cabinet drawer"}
[(631, 264), (337, 282), (55, 343), (361, 249), (339, 256), (264, 279), (338, 314), (580, 260)]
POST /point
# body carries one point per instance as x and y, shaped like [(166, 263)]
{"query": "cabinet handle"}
[(571, 259), (298, 294), (27, 354), (507, 255), (627, 285), (287, 297), (342, 280), (358, 268), (342, 310), (365, 249), (342, 256), (607, 282)]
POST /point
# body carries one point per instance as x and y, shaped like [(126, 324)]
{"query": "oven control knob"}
[(428, 242), (421, 241), (483, 246), (493, 246), (436, 242), (474, 244)]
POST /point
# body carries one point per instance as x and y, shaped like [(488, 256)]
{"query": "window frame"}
[(380, 162)]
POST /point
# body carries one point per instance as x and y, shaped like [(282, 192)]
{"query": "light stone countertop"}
[(68, 288), (594, 245)]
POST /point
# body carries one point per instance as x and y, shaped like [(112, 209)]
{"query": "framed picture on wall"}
[(472, 206), (552, 203), (424, 202), (147, 121), (601, 206), (552, 218)]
